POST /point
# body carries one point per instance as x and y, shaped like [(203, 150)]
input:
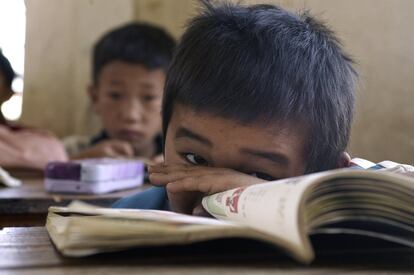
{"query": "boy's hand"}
[(108, 148), (158, 159), (187, 185), (29, 148)]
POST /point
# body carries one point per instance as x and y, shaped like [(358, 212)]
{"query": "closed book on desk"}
[(284, 213)]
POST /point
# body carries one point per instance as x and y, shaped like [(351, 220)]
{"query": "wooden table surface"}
[(28, 250), (27, 205)]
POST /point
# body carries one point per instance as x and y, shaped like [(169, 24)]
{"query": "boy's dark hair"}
[(261, 64), (7, 70), (136, 43)]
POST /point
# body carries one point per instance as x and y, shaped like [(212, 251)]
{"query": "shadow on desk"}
[(27, 205), (25, 173)]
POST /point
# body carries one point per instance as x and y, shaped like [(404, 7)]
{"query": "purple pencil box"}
[(93, 176)]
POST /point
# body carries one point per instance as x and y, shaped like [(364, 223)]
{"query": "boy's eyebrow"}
[(116, 82), (184, 132), (274, 157), (147, 85)]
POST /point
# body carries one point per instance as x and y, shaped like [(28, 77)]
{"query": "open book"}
[(283, 213)]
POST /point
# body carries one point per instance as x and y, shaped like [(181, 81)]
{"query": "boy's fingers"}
[(211, 184), (109, 153), (188, 170), (160, 178), (175, 174), (161, 168), (122, 148), (159, 159), (196, 184)]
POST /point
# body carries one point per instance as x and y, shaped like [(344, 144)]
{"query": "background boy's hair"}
[(261, 64), (7, 70), (136, 43)]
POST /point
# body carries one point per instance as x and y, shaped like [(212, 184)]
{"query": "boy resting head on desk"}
[(254, 93), (129, 67)]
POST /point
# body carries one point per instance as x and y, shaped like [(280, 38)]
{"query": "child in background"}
[(23, 147), (254, 93), (7, 75), (129, 67)]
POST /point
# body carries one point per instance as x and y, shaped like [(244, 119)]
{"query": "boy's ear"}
[(344, 160), (93, 97), (92, 93)]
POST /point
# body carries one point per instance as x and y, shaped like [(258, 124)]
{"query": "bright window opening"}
[(12, 40)]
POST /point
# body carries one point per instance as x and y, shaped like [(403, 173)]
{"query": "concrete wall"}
[(377, 33)]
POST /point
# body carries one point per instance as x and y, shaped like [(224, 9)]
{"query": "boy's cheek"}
[(171, 157), (104, 108)]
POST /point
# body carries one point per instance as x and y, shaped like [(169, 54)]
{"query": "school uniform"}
[(152, 198)]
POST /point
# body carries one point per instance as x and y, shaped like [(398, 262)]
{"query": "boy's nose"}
[(131, 112)]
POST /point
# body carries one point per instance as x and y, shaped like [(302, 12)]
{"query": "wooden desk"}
[(29, 251), (27, 205)]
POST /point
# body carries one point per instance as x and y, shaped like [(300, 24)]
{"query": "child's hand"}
[(158, 159), (108, 148), (187, 185), (29, 148)]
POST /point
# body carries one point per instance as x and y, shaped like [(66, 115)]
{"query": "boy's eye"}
[(149, 98), (195, 159), (262, 176), (115, 95)]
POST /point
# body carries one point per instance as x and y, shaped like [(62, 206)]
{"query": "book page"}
[(81, 208), (81, 229), (274, 212), (272, 208)]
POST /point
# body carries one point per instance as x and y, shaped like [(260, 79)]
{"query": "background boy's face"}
[(128, 97), (195, 138)]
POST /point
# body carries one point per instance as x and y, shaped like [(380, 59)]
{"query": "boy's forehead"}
[(222, 128), (130, 71)]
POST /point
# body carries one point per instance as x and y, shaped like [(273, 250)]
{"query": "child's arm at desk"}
[(29, 148), (186, 185)]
